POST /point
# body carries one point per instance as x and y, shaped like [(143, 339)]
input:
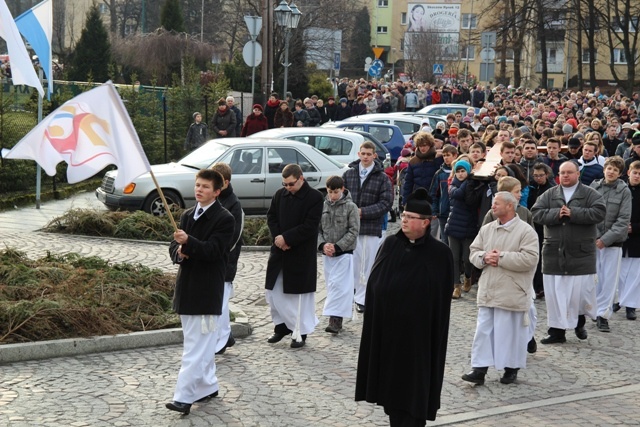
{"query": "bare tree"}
[(422, 50)]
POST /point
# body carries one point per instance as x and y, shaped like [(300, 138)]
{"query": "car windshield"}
[(202, 157), (334, 162)]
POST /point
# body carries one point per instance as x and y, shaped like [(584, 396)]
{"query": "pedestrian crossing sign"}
[(438, 68)]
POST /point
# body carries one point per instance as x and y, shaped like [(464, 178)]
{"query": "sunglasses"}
[(290, 184)]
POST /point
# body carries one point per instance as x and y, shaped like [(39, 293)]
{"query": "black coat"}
[(200, 281), (230, 202), (406, 325), (297, 218), (631, 247)]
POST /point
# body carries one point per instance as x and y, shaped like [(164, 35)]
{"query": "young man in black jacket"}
[(201, 247)]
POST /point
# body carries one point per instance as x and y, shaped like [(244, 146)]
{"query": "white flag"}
[(22, 71), (89, 132)]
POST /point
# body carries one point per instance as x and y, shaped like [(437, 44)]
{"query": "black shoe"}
[(581, 333), (532, 346), (276, 337), (553, 339), (392, 216), (230, 343), (631, 313), (296, 344), (183, 408), (616, 307), (510, 376), (334, 327), (475, 376), (359, 308), (602, 324), (211, 396)]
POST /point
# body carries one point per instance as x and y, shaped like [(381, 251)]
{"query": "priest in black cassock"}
[(406, 324)]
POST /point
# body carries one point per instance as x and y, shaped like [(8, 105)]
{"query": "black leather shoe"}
[(296, 344), (276, 337), (616, 307), (581, 333), (510, 376), (532, 346), (631, 313), (553, 339), (211, 396), (230, 343), (183, 408), (359, 308), (474, 376), (602, 324)]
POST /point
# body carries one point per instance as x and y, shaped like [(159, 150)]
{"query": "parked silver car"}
[(257, 165), (337, 144)]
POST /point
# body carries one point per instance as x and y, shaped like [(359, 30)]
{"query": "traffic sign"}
[(488, 39), (487, 54), (438, 69), (377, 51), (252, 57), (378, 63), (367, 63), (375, 70), (336, 60)]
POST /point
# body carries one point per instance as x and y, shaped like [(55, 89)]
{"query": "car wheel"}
[(154, 205)]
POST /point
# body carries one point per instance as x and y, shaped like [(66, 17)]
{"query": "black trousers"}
[(399, 418)]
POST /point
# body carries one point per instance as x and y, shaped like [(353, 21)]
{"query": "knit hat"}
[(331, 98), (573, 143), (567, 129), (552, 115), (463, 164), (630, 133), (258, 106), (525, 129), (636, 138), (453, 131), (343, 100), (573, 122), (405, 152), (418, 202)]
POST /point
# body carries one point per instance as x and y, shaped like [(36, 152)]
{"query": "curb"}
[(21, 352)]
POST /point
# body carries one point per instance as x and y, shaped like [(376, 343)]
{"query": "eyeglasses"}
[(410, 217), (290, 184)]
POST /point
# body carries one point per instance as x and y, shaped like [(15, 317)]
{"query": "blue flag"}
[(36, 26)]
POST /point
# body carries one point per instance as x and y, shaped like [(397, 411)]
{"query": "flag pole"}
[(164, 201), (38, 168)]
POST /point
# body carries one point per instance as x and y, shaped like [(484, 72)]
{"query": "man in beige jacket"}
[(506, 250)]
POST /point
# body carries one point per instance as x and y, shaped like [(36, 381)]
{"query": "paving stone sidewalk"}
[(592, 382)]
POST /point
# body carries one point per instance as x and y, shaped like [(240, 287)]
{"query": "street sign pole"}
[(254, 24)]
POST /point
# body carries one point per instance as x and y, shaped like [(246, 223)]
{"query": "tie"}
[(200, 211)]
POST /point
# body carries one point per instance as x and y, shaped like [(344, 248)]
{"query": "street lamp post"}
[(288, 18)]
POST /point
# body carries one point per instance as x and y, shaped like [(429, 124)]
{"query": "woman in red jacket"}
[(255, 122)]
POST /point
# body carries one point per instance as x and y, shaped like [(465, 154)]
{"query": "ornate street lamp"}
[(288, 18)]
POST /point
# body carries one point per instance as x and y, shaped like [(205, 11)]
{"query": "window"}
[(587, 25), (333, 146), (618, 24), (469, 21), (245, 161), (280, 157), (586, 56), (467, 52), (509, 55), (103, 8), (403, 18), (619, 56), (382, 30), (407, 128), (383, 3), (551, 55), (381, 133), (402, 44)]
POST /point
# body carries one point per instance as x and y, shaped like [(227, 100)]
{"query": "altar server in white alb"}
[(612, 233), (506, 250), (629, 286), (337, 238), (201, 247), (293, 219), (569, 213)]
